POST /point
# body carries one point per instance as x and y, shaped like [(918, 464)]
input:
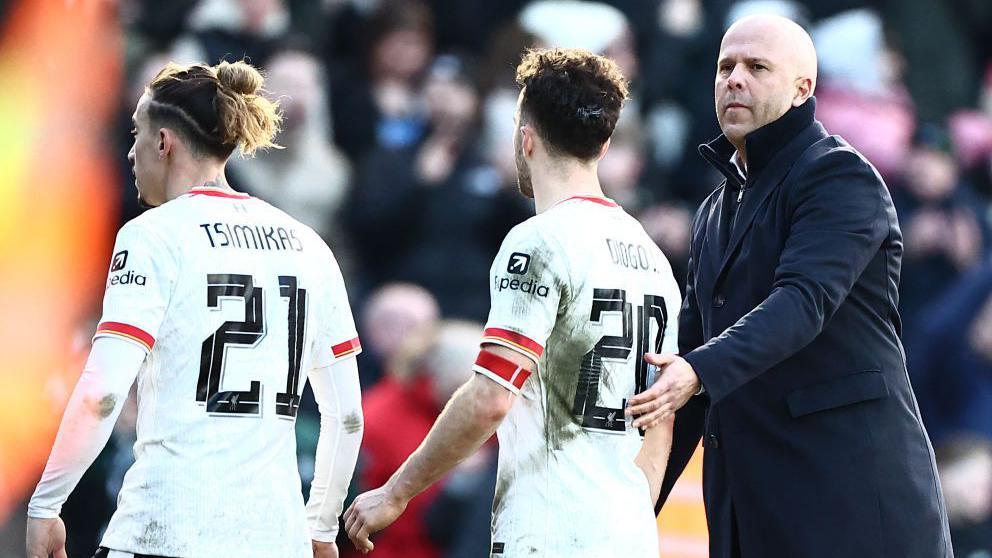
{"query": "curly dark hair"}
[(573, 97)]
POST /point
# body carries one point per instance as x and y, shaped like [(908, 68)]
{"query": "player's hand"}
[(324, 549), (676, 383), (46, 537), (371, 512)]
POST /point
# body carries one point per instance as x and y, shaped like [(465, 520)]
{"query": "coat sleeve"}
[(838, 222)]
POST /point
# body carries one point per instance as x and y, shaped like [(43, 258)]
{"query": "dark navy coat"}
[(813, 441)]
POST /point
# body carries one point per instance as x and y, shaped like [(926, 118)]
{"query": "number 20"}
[(613, 347)]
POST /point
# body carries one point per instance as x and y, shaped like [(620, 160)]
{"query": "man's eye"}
[(759, 67)]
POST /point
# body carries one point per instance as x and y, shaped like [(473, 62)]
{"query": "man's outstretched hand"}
[(676, 383), (371, 511)]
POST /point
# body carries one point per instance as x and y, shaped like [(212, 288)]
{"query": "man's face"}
[(523, 169), (755, 81), (148, 167)]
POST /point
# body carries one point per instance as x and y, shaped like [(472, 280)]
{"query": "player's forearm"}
[(338, 395), (653, 456), (467, 421), (89, 419)]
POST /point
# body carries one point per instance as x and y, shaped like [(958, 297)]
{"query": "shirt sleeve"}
[(339, 399), (89, 419), (142, 276), (337, 337), (527, 284)]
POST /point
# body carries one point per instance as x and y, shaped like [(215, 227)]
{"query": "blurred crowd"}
[(397, 136)]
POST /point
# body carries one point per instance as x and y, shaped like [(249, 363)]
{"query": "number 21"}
[(248, 333)]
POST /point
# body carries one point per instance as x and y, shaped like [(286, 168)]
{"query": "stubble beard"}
[(524, 183), (142, 202)]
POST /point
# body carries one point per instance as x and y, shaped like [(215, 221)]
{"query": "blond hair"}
[(217, 109)]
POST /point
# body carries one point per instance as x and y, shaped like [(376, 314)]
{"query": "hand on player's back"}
[(371, 511), (324, 549), (45, 537), (676, 383)]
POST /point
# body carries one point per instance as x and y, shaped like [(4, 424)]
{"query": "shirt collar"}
[(735, 160)]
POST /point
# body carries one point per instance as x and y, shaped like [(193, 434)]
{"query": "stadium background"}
[(398, 151)]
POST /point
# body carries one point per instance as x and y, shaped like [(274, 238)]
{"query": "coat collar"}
[(777, 148), (761, 145)]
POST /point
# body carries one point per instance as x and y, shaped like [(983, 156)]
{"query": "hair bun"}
[(239, 77)]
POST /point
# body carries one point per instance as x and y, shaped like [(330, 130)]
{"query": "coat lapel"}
[(718, 153), (711, 242), (762, 187)]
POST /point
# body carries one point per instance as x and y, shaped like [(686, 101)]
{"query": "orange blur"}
[(682, 523), (60, 72)]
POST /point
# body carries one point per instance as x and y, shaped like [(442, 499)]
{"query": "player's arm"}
[(469, 419), (339, 400), (653, 456), (656, 449), (89, 419), (336, 388), (132, 314)]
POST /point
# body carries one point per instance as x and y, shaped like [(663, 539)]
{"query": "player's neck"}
[(201, 176), (559, 183)]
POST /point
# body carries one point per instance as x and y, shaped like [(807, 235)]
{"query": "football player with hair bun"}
[(222, 307)]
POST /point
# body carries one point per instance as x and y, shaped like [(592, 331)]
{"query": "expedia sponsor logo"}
[(119, 261), (129, 278), (529, 287), (519, 263)]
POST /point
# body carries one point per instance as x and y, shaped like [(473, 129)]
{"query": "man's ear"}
[(166, 142), (804, 90), (527, 140)]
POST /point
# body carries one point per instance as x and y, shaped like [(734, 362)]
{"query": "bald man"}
[(791, 367)]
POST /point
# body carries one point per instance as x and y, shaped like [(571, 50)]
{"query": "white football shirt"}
[(235, 302), (582, 290)]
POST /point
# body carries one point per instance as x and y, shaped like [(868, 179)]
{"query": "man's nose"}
[(736, 78)]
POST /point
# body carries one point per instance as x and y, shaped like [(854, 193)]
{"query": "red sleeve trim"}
[(510, 371), (349, 347), (517, 340), (127, 331)]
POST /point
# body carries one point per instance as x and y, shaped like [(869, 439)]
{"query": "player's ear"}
[(166, 141), (527, 140)]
